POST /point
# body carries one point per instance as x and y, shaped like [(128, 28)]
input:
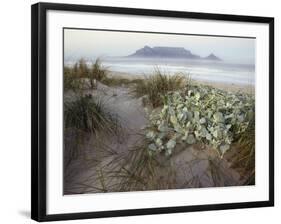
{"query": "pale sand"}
[(250, 89), (82, 175)]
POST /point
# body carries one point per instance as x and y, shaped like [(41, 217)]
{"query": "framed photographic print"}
[(139, 111)]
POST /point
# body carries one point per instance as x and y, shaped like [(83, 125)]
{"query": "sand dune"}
[(83, 174)]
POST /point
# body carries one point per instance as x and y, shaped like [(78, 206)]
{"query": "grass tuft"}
[(97, 73), (243, 159), (138, 170), (71, 81), (158, 85), (89, 114), (74, 76)]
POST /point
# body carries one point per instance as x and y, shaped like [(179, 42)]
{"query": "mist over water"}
[(204, 70), (237, 54), (217, 71)]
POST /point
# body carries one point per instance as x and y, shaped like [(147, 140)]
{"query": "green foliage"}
[(97, 73), (71, 80), (73, 76), (119, 81), (157, 85), (244, 156), (199, 114), (81, 69), (89, 114), (114, 81)]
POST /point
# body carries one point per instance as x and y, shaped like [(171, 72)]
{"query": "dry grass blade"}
[(136, 170), (244, 158), (89, 114), (158, 85)]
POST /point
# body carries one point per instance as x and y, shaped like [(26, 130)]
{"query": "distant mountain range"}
[(170, 52)]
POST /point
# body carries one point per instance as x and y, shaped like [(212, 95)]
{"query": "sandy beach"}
[(233, 87), (83, 174)]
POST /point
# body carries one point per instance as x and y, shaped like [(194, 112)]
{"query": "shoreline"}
[(230, 87)]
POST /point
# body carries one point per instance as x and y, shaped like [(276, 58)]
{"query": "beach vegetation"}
[(90, 115), (157, 85), (120, 81), (76, 76), (243, 156), (199, 114), (96, 73), (71, 81)]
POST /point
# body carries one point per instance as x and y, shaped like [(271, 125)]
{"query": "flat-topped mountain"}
[(160, 52), (169, 52)]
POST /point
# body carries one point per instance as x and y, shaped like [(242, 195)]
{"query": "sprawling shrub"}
[(199, 114)]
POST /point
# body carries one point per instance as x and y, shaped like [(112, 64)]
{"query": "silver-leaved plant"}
[(199, 114)]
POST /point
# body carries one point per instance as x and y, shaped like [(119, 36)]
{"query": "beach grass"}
[(97, 73), (158, 85), (139, 170), (71, 81), (74, 75), (244, 157), (120, 81), (89, 114)]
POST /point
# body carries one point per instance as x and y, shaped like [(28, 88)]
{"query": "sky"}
[(90, 44)]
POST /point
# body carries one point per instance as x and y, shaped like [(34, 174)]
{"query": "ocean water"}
[(212, 71)]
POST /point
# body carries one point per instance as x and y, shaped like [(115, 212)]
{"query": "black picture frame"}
[(39, 107)]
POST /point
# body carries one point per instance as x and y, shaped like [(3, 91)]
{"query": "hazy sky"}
[(93, 43)]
